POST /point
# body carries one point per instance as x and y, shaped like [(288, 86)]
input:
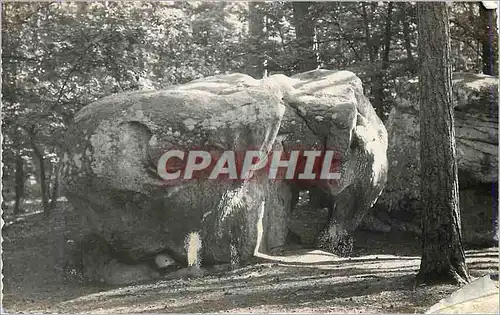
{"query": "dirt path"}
[(378, 279)]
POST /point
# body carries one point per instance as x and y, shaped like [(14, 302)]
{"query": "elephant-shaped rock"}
[(112, 151)]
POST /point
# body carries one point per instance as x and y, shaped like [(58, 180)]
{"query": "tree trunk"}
[(372, 48), (489, 40), (42, 176), (256, 25), (407, 36), (19, 184), (379, 76), (443, 258), (304, 34), (368, 35), (55, 188), (387, 37)]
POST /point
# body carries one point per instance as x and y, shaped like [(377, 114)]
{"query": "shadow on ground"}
[(377, 278)]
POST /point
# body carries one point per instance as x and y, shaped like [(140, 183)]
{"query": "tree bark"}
[(489, 40), (256, 24), (19, 190), (304, 34), (443, 258)]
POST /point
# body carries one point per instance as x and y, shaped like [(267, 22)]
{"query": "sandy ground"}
[(379, 277)]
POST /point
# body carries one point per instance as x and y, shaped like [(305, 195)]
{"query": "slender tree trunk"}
[(372, 39), (19, 184), (489, 40), (39, 158), (387, 37), (368, 35), (49, 173), (256, 25), (372, 48), (304, 32), (378, 79), (55, 188), (443, 258), (407, 35)]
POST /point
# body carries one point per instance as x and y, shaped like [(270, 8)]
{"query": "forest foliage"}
[(59, 56)]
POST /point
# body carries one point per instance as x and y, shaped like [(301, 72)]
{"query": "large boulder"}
[(113, 149), (115, 144), (476, 131)]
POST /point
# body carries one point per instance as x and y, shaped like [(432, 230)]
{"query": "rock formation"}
[(113, 148), (476, 127)]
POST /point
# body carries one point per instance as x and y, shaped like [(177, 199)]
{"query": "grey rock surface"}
[(476, 127), (114, 146)]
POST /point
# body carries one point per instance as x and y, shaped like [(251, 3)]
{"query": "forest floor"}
[(379, 277)]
